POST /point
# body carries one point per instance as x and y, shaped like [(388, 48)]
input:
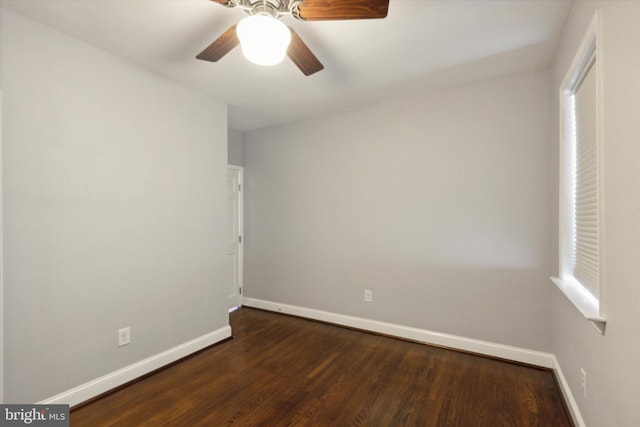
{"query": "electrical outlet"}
[(368, 295), (124, 336), (583, 381)]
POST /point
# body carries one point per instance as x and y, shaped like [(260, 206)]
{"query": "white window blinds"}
[(586, 235)]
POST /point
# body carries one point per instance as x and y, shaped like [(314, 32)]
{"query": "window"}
[(586, 247), (580, 181)]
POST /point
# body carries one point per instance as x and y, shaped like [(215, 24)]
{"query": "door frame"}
[(2, 299), (240, 289)]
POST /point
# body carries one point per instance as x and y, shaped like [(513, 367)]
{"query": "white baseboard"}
[(568, 395), (517, 354), (94, 388)]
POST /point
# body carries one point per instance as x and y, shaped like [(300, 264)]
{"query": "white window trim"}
[(592, 308)]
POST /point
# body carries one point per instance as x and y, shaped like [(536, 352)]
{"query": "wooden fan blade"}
[(219, 48), (328, 10), (302, 56), (222, 2)]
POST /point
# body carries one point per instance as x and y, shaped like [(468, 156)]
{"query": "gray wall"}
[(235, 148), (437, 202), (610, 360), (114, 211)]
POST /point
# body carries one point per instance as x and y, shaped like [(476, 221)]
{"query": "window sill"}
[(583, 301)]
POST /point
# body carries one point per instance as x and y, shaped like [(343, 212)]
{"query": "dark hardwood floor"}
[(285, 371)]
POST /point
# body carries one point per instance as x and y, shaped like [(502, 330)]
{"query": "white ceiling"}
[(420, 45)]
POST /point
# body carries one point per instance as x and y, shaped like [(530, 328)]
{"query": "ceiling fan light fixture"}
[(264, 40)]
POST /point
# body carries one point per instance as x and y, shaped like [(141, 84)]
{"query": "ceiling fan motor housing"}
[(275, 8)]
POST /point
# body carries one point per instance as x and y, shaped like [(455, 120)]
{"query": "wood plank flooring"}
[(285, 371)]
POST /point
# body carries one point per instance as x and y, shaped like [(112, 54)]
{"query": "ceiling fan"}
[(261, 32)]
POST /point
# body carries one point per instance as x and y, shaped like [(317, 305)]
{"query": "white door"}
[(234, 236)]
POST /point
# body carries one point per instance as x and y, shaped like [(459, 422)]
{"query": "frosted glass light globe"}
[(264, 40)]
